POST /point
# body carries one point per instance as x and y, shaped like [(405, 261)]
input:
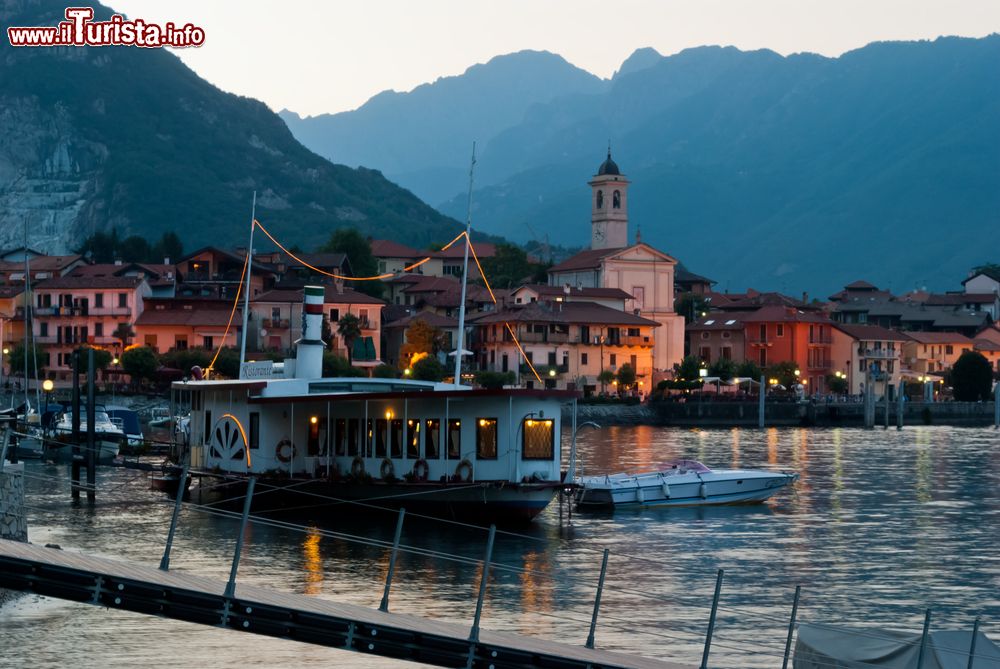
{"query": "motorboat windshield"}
[(685, 467)]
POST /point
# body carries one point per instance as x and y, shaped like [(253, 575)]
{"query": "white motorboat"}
[(681, 483), (128, 421), (108, 437)]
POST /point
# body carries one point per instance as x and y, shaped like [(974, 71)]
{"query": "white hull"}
[(673, 488)]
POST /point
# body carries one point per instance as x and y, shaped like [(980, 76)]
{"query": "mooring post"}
[(231, 585), (900, 404), (791, 626), (760, 403), (711, 620), (972, 646), (885, 426), (597, 599), (996, 406), (384, 606), (75, 450), (474, 633), (923, 639), (91, 434), (165, 560)]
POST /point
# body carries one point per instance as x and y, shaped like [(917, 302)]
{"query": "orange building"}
[(775, 334), (186, 323)]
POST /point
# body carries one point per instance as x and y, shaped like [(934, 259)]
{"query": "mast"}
[(460, 339), (246, 288), (28, 321)]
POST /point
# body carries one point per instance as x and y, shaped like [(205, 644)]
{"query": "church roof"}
[(588, 259), (608, 166)]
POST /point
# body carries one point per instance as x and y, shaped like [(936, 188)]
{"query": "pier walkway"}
[(143, 589)]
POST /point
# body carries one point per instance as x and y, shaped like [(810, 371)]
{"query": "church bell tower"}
[(609, 207)]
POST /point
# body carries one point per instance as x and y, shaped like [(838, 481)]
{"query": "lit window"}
[(486, 438), (539, 443)]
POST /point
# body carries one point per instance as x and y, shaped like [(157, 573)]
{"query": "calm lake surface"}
[(880, 526)]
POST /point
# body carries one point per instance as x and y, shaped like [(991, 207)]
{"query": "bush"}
[(972, 377), (140, 363), (336, 365), (427, 369), (385, 372), (494, 380)]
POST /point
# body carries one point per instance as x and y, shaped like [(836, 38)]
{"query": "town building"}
[(930, 352), (776, 334), (569, 343), (393, 257), (638, 269), (167, 324), (985, 282), (211, 272), (394, 333), (868, 354), (12, 299), (717, 336)]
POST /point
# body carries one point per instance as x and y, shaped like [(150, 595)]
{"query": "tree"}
[(427, 369), (421, 337), (626, 376), (124, 334), (135, 249), (227, 365), (169, 247), (494, 380), (972, 377), (689, 369), (691, 306), (140, 363), (359, 251), (337, 365), (16, 360), (784, 372), (724, 368), (604, 378), (749, 369), (836, 384), (102, 359), (349, 329), (186, 358), (385, 372), (509, 267)]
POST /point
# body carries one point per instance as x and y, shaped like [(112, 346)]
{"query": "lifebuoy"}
[(284, 451), (358, 467), (466, 467), (387, 469), (421, 470)]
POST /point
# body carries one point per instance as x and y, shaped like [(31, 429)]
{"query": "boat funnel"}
[(309, 349)]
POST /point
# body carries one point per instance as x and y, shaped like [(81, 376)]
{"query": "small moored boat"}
[(681, 483)]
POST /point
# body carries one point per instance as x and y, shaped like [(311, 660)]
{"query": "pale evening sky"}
[(315, 57)]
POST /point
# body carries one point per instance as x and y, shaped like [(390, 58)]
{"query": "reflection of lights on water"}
[(312, 562), (736, 447), (536, 591), (772, 446)]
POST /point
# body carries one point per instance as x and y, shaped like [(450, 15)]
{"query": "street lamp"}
[(47, 386)]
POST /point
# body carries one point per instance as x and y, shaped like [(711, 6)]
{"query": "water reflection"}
[(881, 525)]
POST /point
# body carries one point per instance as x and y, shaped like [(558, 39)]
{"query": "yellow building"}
[(929, 352)]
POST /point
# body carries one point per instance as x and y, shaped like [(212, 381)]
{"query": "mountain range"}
[(117, 137), (797, 172)]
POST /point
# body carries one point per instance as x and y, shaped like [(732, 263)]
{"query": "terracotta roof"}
[(79, 282), (11, 290), (332, 296), (938, 337), (566, 312), (429, 317), (41, 263), (683, 275), (386, 248), (716, 322), (860, 285), (780, 314), (870, 332), (457, 251), (589, 259), (560, 291), (434, 284), (985, 345)]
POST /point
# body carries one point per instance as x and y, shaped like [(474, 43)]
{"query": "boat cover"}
[(827, 647)]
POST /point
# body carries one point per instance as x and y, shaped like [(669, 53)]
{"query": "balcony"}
[(275, 323), (546, 338), (757, 340), (110, 311), (877, 353), (821, 339), (639, 340), (819, 365)]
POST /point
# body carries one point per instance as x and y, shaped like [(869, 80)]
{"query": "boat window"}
[(254, 430), (340, 436), (312, 442), (208, 426), (368, 439), (413, 439), (486, 438), (381, 430), (353, 435), (539, 442), (432, 439), (454, 439), (396, 438)]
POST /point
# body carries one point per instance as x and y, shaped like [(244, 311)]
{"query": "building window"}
[(209, 342), (616, 200), (727, 353), (780, 330), (98, 329), (705, 335), (43, 329), (583, 359), (363, 317), (98, 300), (763, 332), (633, 332), (705, 354), (454, 439), (334, 315), (727, 335), (600, 199), (432, 439), (584, 334), (275, 313), (150, 341), (181, 343), (122, 300), (538, 441), (949, 349), (613, 359), (486, 438), (762, 358)]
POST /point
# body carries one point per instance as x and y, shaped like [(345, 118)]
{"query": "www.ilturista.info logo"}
[(79, 29)]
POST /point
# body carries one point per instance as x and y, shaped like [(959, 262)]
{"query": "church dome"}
[(608, 167)]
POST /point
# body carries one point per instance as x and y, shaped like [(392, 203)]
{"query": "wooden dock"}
[(113, 584)]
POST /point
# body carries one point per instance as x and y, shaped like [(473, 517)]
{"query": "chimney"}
[(166, 260), (309, 349)]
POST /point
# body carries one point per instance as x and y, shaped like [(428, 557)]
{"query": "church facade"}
[(645, 273)]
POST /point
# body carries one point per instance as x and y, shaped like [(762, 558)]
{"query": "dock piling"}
[(75, 437), (597, 599), (900, 404), (760, 403), (165, 560), (91, 434), (791, 626), (384, 606), (885, 426), (231, 585), (711, 620), (996, 406), (923, 639)]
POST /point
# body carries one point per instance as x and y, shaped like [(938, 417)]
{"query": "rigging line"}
[(523, 354), (475, 257), (232, 313)]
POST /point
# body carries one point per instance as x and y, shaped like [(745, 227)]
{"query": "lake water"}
[(880, 526)]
